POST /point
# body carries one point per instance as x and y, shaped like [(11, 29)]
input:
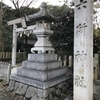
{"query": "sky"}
[(36, 4), (53, 2)]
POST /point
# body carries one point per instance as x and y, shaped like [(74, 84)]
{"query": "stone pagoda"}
[(42, 74), (43, 20)]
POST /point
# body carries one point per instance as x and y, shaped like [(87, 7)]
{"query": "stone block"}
[(56, 98), (60, 85), (43, 99), (51, 97), (58, 92), (18, 87), (39, 84), (35, 97), (43, 93), (52, 90), (31, 91), (64, 89), (42, 57), (69, 98), (11, 86), (23, 89), (41, 66), (41, 75)]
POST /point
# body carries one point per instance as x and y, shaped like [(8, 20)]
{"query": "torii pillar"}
[(83, 50), (14, 44)]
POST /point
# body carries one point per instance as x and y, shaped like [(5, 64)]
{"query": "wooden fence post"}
[(70, 61), (96, 66), (65, 60)]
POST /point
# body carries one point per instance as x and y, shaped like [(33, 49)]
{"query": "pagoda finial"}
[(43, 5)]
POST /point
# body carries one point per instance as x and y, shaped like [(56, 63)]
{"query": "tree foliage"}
[(62, 39), (5, 30), (97, 40), (20, 4), (10, 14)]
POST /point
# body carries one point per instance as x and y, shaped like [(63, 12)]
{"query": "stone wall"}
[(57, 92)]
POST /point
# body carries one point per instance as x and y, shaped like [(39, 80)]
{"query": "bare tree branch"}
[(23, 3), (14, 4), (17, 3), (20, 3), (30, 3)]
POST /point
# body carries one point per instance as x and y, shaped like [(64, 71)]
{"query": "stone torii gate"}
[(15, 31), (14, 45)]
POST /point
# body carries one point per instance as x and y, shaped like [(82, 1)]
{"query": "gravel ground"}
[(4, 95)]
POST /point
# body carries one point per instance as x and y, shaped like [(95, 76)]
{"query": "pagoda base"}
[(30, 89), (40, 84), (41, 77)]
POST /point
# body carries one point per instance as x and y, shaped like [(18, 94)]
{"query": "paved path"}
[(5, 95)]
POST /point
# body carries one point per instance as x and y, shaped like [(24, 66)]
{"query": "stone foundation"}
[(41, 77), (57, 92)]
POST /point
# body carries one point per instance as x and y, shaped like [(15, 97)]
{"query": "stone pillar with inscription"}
[(83, 50)]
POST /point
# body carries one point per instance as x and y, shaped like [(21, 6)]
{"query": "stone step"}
[(42, 57), (41, 75), (41, 66), (40, 84)]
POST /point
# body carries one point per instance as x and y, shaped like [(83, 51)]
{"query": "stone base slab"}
[(39, 84), (41, 75), (57, 92), (41, 66), (42, 57)]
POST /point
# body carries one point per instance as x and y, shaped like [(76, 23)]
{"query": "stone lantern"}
[(43, 20), (41, 74)]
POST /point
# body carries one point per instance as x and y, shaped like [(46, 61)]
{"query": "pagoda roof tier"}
[(43, 14)]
